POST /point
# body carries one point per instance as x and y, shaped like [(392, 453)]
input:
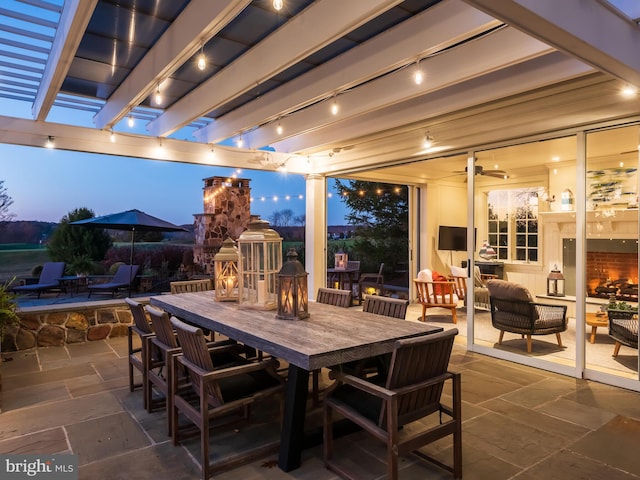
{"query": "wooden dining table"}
[(330, 336)]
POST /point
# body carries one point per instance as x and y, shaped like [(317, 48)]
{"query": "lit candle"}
[(262, 292)]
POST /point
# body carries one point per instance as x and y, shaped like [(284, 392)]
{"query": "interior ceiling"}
[(493, 70)]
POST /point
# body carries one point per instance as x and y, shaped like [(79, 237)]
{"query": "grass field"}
[(20, 262)]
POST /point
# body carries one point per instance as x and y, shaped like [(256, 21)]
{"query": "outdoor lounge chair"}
[(49, 279), (122, 279)]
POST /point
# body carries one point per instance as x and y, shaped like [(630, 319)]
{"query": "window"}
[(513, 223)]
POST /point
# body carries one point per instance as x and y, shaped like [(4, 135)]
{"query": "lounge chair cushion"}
[(509, 290)]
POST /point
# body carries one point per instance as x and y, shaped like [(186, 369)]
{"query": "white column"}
[(316, 233)]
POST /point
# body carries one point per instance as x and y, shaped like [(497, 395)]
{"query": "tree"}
[(300, 220), (72, 241), (281, 218), (380, 214), (5, 202)]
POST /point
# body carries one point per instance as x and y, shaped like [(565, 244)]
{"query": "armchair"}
[(436, 294), (411, 391), (480, 291), (513, 310), (623, 328)]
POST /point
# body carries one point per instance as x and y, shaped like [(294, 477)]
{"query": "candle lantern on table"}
[(260, 261), (226, 272), (293, 292), (341, 259), (555, 283)]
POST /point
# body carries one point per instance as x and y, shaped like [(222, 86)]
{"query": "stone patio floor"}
[(519, 422)]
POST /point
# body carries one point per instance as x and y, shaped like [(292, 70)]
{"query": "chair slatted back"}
[(426, 292), (139, 317), (188, 286), (162, 327), (460, 286), (195, 351), (389, 307), (416, 360), (333, 296)]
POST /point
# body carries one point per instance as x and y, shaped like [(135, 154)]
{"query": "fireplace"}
[(611, 267)]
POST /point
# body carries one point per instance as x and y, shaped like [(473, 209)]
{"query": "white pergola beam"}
[(499, 50), (198, 22), (535, 73), (434, 29), (587, 30), (318, 25), (73, 22)]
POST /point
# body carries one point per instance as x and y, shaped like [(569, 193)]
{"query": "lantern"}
[(260, 250), (226, 272), (293, 293), (341, 259), (555, 283), (566, 200)]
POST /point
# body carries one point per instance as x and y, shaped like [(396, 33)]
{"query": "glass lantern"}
[(293, 292), (555, 283), (341, 260), (260, 250), (226, 272)]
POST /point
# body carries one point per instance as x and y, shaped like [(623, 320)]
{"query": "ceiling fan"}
[(479, 170)]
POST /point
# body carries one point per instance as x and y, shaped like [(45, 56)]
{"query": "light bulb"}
[(158, 97), (629, 91), (50, 142), (278, 4), (112, 137), (418, 77), (202, 61), (428, 142), (279, 129), (130, 121), (334, 107), (240, 142)]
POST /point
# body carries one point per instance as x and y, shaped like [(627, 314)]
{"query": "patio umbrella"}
[(130, 220)]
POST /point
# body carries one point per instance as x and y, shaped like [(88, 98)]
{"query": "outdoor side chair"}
[(411, 391), (138, 355), (623, 328), (220, 389), (49, 279)]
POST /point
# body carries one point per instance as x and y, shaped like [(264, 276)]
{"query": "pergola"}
[(322, 87)]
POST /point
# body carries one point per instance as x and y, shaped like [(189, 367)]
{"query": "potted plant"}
[(8, 309), (81, 265)]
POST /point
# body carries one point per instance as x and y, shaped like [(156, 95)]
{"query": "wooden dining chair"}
[(220, 389), (138, 355), (435, 294), (334, 296), (186, 286), (411, 392), (167, 346)]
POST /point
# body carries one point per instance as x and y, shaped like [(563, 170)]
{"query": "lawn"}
[(20, 262)]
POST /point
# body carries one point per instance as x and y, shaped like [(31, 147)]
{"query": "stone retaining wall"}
[(57, 325)]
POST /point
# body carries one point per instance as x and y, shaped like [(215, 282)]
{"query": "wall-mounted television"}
[(452, 238)]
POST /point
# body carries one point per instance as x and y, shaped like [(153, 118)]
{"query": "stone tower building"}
[(227, 212)]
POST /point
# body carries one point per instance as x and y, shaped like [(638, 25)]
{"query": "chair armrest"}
[(229, 371), (364, 385)]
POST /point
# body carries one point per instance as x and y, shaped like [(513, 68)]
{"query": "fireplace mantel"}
[(621, 223)]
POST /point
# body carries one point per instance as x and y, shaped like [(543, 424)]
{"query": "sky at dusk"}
[(46, 184)]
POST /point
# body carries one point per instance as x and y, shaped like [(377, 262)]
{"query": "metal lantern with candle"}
[(226, 272), (555, 283), (341, 259), (293, 293), (260, 250)]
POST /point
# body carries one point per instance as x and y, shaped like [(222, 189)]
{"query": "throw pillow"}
[(439, 289), (477, 277)]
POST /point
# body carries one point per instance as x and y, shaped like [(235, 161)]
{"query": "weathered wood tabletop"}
[(330, 336)]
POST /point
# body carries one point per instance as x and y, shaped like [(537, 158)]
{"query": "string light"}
[(628, 91), (417, 76), (279, 128), (51, 142), (202, 59), (428, 141), (130, 121), (158, 97), (334, 106), (240, 142), (278, 4), (112, 136)]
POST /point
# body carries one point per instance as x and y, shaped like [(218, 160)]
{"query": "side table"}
[(594, 321)]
